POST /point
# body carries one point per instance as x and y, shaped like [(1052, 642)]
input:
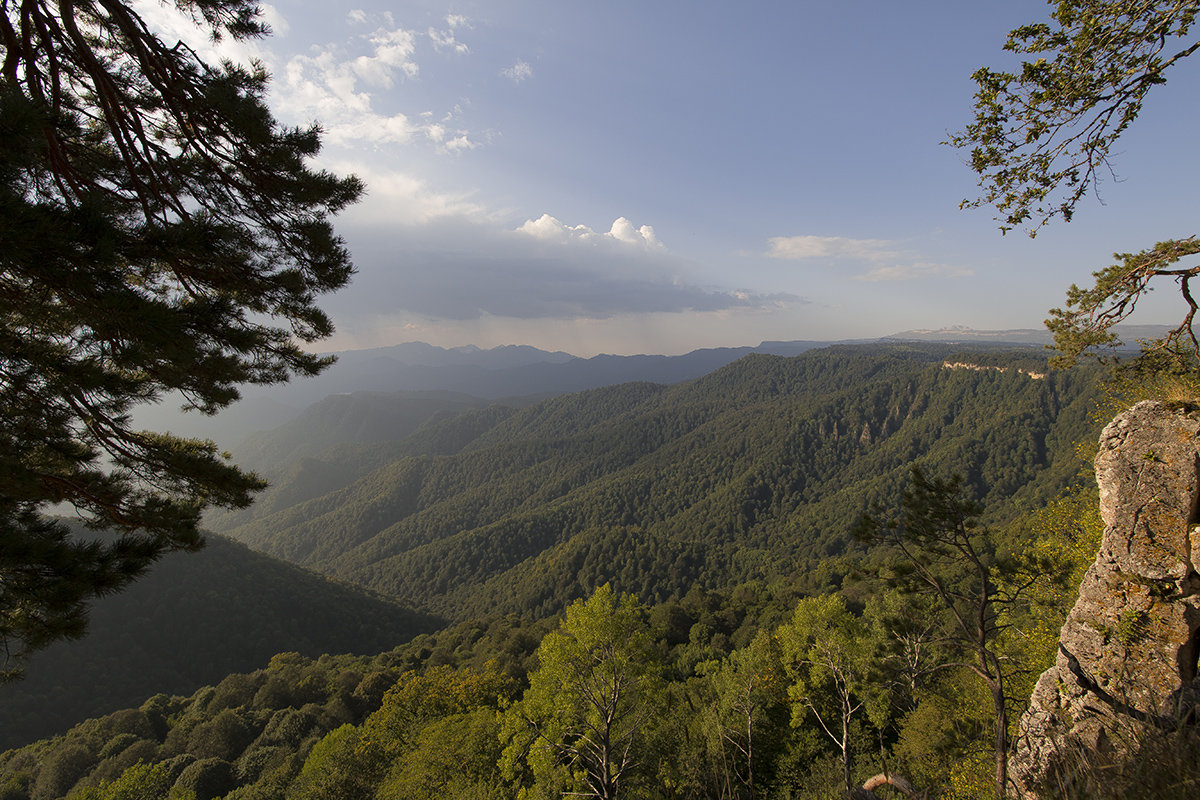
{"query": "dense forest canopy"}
[(753, 472)]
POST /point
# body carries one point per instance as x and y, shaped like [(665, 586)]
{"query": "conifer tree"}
[(162, 236), (942, 553)]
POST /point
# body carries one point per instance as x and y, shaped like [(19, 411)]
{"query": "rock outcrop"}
[(1127, 659)]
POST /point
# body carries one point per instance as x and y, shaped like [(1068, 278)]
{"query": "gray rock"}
[(1126, 665)]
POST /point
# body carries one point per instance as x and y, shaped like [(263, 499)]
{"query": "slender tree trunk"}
[(997, 688), (750, 742), (846, 747)]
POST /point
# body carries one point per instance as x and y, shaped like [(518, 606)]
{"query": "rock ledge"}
[(1127, 659)]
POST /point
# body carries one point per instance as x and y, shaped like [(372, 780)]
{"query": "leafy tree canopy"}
[(162, 234), (597, 687), (1042, 138)]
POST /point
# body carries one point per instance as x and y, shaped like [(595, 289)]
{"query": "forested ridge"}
[(722, 685), (753, 472), (716, 519)]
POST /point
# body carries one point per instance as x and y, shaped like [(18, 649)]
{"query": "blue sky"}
[(657, 176)]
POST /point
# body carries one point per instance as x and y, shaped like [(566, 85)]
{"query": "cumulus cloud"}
[(338, 84), (337, 87), (550, 229), (828, 247), (518, 72), (445, 134), (326, 86)]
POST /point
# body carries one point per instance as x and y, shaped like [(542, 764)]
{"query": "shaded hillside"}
[(431, 427), (192, 620), (753, 471), (365, 417)]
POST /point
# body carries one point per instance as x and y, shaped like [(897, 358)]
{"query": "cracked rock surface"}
[(1127, 659)]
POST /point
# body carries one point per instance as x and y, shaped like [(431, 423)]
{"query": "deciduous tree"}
[(596, 688), (163, 235), (829, 654), (1043, 135), (748, 691)]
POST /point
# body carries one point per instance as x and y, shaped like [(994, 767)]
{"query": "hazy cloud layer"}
[(397, 200), (801, 248), (915, 271), (459, 270), (894, 264)]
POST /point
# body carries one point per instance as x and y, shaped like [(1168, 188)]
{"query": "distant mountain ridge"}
[(508, 371), (1129, 334), (521, 371)]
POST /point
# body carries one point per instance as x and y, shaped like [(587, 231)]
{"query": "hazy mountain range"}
[(516, 374)]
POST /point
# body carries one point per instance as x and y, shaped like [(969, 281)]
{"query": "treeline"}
[(773, 690), (754, 472)]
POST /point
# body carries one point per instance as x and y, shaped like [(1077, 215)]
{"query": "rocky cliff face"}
[(1127, 660)]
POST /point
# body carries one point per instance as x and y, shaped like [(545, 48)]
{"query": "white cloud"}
[(446, 40), (550, 229), (446, 139), (172, 25), (518, 72), (336, 84), (917, 271), (398, 198), (393, 51), (336, 87), (801, 248), (458, 143)]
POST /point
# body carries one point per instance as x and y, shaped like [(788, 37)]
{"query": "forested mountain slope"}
[(361, 417), (193, 619), (753, 471)]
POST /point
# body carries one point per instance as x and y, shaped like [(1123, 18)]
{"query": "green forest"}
[(756, 471), (793, 578), (637, 591)]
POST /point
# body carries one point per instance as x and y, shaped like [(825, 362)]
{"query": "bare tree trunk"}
[(1001, 738), (846, 712)]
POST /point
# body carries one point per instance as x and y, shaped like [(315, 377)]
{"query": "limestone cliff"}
[(1127, 660)]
